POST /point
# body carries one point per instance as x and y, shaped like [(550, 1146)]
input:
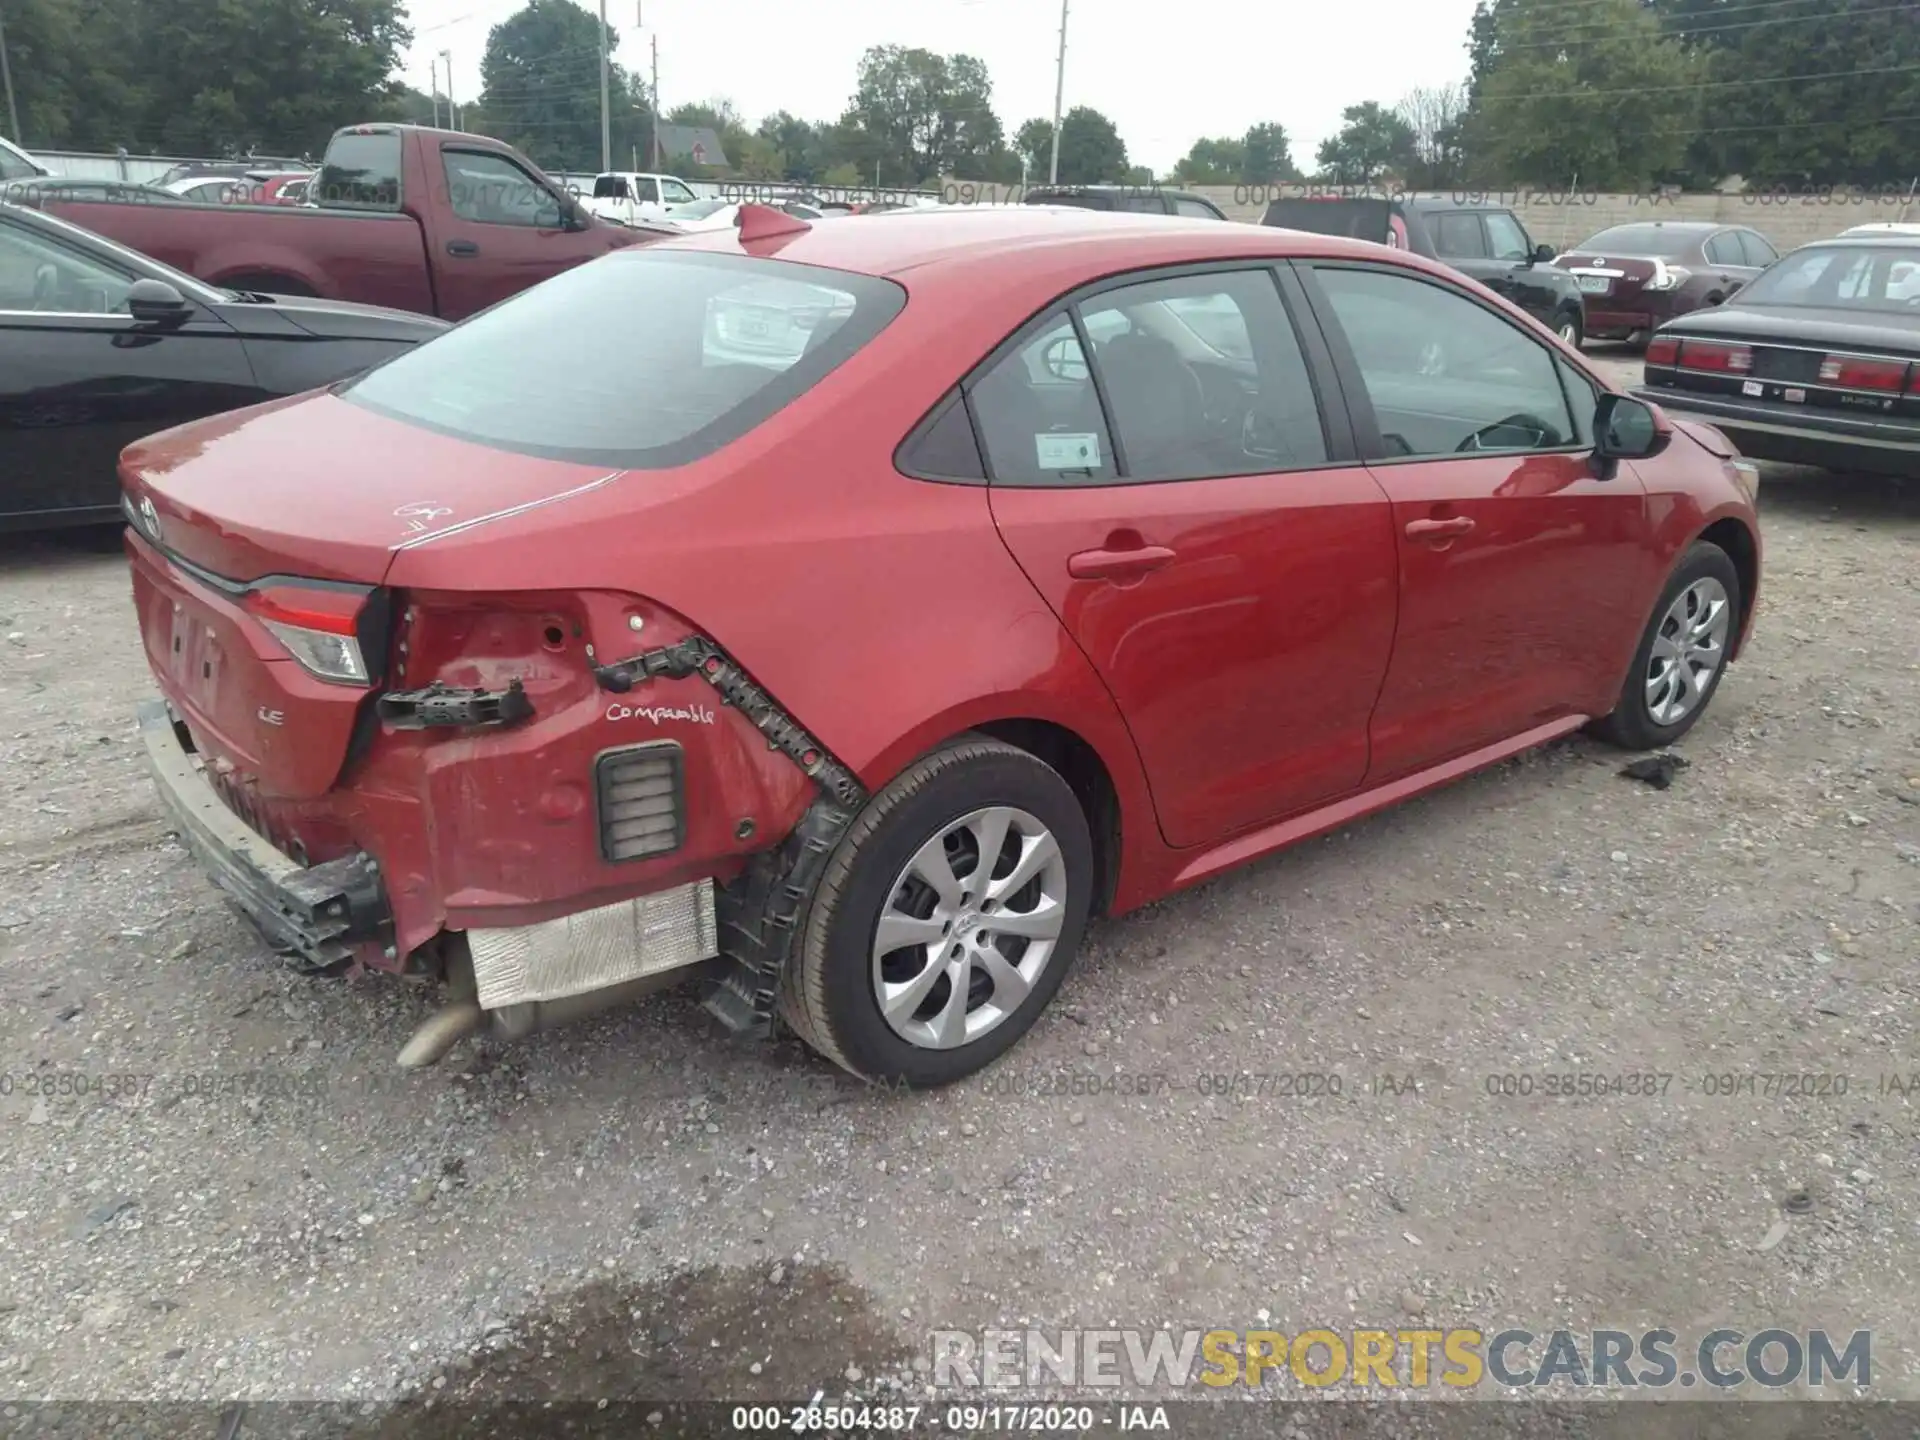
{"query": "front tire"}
[(1571, 327), (1681, 656), (946, 919)]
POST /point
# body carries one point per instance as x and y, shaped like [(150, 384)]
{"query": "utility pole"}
[(433, 84), (453, 114), (656, 102), (6, 75), (1059, 89), (606, 106)]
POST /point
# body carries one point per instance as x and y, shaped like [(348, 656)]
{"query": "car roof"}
[(1883, 240), (1679, 227), (958, 238)]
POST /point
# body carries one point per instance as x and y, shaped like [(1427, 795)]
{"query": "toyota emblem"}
[(149, 518)]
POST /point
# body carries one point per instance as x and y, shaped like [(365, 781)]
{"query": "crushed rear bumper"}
[(319, 914)]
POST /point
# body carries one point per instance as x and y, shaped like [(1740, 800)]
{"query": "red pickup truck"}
[(438, 222)]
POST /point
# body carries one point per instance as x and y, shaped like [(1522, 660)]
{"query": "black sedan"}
[(100, 346), (1817, 362)]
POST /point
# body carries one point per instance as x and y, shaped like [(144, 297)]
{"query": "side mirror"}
[(1543, 253), (157, 304), (1627, 429)]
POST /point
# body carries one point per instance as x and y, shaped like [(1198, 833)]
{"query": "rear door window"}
[(1724, 249), (1459, 236), (361, 172), (1757, 251), (708, 347), (1192, 395), (1039, 413)]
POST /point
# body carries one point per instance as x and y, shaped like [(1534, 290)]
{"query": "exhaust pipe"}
[(462, 1016)]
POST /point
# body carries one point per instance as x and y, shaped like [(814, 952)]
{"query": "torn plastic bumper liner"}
[(441, 705), (316, 914)]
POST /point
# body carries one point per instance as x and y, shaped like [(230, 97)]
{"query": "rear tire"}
[(1669, 685), (957, 992)]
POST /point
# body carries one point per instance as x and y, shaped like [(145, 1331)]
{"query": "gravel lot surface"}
[(635, 1209)]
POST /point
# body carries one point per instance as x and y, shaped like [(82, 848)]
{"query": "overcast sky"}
[(1165, 73)]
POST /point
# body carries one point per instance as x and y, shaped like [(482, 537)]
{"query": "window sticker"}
[(1067, 452)]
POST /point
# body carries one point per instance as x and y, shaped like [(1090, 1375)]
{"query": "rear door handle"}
[(463, 247), (1439, 529), (1131, 564)]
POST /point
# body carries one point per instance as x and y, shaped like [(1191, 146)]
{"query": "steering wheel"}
[(1518, 421), (46, 288)]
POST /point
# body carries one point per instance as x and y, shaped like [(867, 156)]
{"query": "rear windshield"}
[(1884, 279), (637, 361), (697, 209), (1084, 199), (361, 172), (1355, 219), (1653, 241)]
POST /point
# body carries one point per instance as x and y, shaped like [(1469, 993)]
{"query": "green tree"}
[(70, 86), (540, 89), (920, 115), (1373, 142), (1267, 156), (1218, 161), (802, 150), (1033, 143), (1610, 106), (214, 77), (1091, 150), (1434, 115), (1818, 92)]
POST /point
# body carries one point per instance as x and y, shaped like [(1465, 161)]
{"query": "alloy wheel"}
[(1688, 650), (970, 923)]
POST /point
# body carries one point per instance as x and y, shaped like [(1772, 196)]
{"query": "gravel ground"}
[(636, 1209)]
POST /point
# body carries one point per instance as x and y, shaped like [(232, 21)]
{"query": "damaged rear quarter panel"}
[(507, 824)]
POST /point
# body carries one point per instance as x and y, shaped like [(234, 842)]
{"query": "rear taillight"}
[(1663, 350), (1668, 277), (319, 627), (1725, 359), (1853, 373)]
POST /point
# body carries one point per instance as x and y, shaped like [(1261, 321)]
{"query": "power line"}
[(1584, 94), (1703, 32)]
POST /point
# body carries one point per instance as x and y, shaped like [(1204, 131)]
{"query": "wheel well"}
[(1734, 538), (1080, 766), (267, 282)]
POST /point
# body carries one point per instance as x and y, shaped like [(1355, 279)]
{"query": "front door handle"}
[(1132, 564), (463, 247), (1439, 529)]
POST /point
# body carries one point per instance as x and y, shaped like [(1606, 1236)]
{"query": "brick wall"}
[(1788, 221)]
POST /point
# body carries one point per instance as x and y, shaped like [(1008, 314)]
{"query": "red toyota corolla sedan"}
[(839, 615)]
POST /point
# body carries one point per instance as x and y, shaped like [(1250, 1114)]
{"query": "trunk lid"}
[(263, 491)]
